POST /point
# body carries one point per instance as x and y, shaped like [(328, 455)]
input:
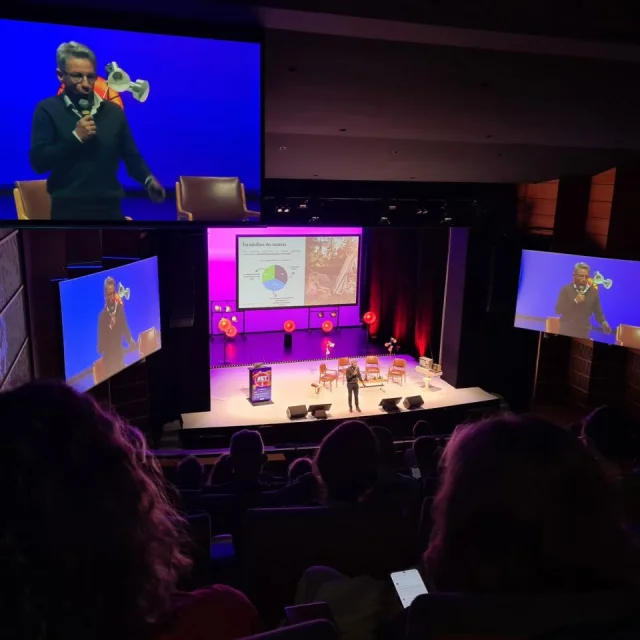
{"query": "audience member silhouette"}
[(426, 452), (523, 508), (189, 474), (247, 457), (421, 429), (90, 546), (222, 471), (347, 463), (387, 466), (611, 437), (298, 468)]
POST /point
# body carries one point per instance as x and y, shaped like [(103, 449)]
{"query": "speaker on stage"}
[(297, 412), (413, 402), (288, 341)]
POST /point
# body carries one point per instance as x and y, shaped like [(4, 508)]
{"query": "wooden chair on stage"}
[(372, 366), (398, 370), (552, 325), (32, 200), (343, 365), (327, 375), (98, 371), (628, 336), (148, 342)]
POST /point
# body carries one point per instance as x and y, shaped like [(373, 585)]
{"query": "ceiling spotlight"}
[(283, 148), (234, 318), (314, 220), (384, 220), (334, 314), (227, 309), (217, 308), (320, 314)]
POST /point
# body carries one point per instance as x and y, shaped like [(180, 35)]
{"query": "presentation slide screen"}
[(110, 320), (579, 296), (158, 106), (297, 271)]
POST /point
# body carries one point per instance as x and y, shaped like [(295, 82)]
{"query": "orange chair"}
[(33, 201), (212, 200), (148, 342), (628, 336), (98, 371), (552, 325), (398, 370), (327, 375), (372, 366), (343, 365)]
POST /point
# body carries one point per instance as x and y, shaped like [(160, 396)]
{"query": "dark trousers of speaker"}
[(354, 393), (288, 341)]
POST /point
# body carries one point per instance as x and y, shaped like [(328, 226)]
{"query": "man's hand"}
[(580, 298), (86, 128), (605, 327), (156, 191)]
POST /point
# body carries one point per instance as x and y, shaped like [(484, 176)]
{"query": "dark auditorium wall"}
[(15, 346)]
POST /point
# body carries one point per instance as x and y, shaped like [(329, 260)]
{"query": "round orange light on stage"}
[(327, 326), (289, 326), (369, 317), (103, 90), (231, 332), (224, 324)]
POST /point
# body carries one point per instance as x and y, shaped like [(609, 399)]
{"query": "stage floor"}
[(292, 381)]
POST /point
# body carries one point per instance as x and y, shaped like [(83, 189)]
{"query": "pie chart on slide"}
[(274, 277)]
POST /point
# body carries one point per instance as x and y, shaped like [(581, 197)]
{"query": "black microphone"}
[(85, 107)]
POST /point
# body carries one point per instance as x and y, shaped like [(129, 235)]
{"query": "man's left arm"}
[(125, 328), (598, 313), (135, 165)]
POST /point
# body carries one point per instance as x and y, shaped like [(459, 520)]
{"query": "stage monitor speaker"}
[(297, 412), (288, 341), (390, 405), (413, 402), (319, 411)]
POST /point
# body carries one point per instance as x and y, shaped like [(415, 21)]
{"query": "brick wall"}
[(15, 348), (599, 212), (537, 206)]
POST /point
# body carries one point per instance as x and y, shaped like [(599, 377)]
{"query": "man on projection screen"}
[(79, 139), (577, 302), (113, 331)]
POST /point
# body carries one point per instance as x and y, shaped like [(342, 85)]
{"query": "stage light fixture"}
[(314, 219), (369, 317), (224, 324), (217, 308), (234, 318), (334, 314), (320, 314), (227, 309), (231, 332), (384, 221), (327, 326), (289, 326)]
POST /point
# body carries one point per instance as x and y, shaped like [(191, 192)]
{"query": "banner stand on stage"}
[(260, 382)]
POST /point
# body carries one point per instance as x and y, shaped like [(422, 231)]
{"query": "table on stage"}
[(374, 382), (428, 375)]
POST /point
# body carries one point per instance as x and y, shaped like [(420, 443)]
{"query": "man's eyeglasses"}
[(77, 78)]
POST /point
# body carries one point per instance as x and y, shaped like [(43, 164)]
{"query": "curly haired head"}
[(89, 544), (522, 507)]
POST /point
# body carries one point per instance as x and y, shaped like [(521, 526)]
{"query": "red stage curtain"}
[(407, 270)]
